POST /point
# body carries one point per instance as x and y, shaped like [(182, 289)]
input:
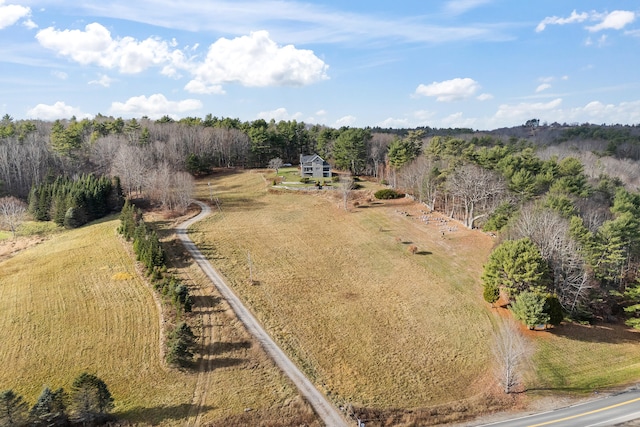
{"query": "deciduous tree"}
[(511, 352), (479, 191), (12, 213)]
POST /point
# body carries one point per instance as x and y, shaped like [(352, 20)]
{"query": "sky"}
[(480, 64)]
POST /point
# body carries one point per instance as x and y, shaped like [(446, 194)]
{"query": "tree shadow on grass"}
[(612, 333), (224, 347), (219, 362), (159, 414), (204, 301)]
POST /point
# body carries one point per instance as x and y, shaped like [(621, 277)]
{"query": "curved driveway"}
[(325, 410)]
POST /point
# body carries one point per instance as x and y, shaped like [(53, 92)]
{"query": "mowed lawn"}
[(372, 324), (75, 303)]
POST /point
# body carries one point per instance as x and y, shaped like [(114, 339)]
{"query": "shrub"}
[(305, 180), (387, 193)]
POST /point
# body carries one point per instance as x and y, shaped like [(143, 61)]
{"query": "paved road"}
[(325, 410), (609, 411)]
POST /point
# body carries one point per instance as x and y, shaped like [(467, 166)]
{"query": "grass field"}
[(75, 303), (370, 323), (373, 325)]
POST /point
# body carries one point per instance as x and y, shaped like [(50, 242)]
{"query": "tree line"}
[(73, 203), (88, 403), (570, 243), (582, 223), (181, 342)]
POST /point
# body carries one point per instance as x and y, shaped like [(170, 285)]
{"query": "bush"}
[(305, 180), (388, 193)]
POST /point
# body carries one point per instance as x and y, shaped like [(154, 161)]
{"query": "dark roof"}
[(310, 158)]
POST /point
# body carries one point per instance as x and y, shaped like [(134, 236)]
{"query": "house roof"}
[(310, 158)]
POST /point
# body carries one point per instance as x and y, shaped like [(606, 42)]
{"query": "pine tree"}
[(529, 308), (50, 408), (13, 409), (90, 398)]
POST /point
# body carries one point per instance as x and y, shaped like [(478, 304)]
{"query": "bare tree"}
[(477, 190), (183, 188), (12, 213), (377, 150), (511, 352), (275, 164), (346, 185), (551, 234), (131, 164)]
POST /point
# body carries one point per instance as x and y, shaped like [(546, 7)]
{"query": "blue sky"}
[(482, 64)]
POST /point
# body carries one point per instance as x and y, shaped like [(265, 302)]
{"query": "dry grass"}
[(76, 303), (375, 326), (370, 323)]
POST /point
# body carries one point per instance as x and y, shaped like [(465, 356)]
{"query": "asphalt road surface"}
[(325, 410), (609, 411)]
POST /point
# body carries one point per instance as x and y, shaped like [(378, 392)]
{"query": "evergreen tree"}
[(13, 409), (529, 308), (350, 149), (90, 399), (517, 266), (181, 345), (50, 408), (491, 292)]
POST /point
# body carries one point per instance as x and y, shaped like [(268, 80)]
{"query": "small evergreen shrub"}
[(387, 193)]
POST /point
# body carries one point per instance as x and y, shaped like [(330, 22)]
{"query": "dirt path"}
[(325, 410), (205, 364)]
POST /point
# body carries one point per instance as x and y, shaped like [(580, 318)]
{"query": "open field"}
[(371, 324), (76, 303)]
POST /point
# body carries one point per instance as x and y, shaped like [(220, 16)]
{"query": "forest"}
[(561, 199)]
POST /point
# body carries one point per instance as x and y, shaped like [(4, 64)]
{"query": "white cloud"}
[(598, 112), (59, 110), (554, 20), (345, 121), (543, 87), (484, 97), (195, 86), (615, 20), (321, 113), (154, 107), (256, 60), (59, 74), (12, 13), (424, 115), (95, 45), (457, 120), (508, 115), (394, 123), (104, 81), (449, 90), (278, 115), (29, 24)]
